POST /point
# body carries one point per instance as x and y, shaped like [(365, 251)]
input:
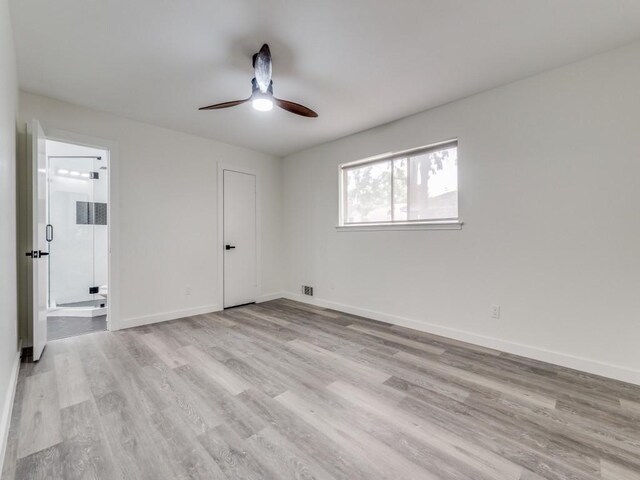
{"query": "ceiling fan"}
[(262, 97)]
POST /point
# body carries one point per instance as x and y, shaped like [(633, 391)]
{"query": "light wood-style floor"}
[(283, 390), (63, 327)]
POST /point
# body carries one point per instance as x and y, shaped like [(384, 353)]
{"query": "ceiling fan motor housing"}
[(255, 89)]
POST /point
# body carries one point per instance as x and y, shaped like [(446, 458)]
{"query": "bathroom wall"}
[(78, 253)]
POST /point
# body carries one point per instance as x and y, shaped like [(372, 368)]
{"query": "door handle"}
[(229, 247), (49, 233), (37, 254)]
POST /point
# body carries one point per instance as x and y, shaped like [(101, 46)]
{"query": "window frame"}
[(435, 224)]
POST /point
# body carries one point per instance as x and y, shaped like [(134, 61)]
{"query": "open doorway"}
[(77, 234)]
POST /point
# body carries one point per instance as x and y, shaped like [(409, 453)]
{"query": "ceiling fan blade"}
[(262, 67), (295, 108), (225, 104)]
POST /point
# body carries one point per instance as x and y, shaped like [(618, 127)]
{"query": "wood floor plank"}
[(428, 455), (512, 437), (448, 344), (135, 387), (195, 410), (164, 351), (40, 414), (233, 414), (365, 448), (312, 309), (195, 461), (218, 371), (612, 471), (312, 334), (11, 452), (100, 376), (396, 367), (44, 464), (309, 440), (257, 374), (484, 461), (283, 390), (295, 367), (524, 442), (396, 339), (567, 431), (541, 380), (139, 449), (527, 475), (85, 452), (363, 371), (502, 387), (283, 457), (228, 450), (71, 380), (633, 407)]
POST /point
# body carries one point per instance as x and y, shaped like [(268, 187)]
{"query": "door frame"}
[(113, 255), (220, 257)]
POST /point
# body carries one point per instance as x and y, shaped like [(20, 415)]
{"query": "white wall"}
[(549, 175), (167, 206), (8, 295)]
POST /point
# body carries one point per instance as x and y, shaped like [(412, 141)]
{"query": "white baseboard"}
[(5, 420), (269, 296), (164, 316), (608, 370)]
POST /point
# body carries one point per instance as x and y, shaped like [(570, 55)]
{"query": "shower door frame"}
[(113, 297)]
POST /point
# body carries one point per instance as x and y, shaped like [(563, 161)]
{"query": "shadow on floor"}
[(63, 327)]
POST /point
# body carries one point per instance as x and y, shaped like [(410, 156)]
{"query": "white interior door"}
[(39, 248), (239, 236)]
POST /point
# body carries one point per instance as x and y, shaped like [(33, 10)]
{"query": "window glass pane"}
[(433, 185), (400, 189), (368, 193)]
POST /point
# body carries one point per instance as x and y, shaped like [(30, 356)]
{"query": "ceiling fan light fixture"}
[(262, 98), (262, 103)]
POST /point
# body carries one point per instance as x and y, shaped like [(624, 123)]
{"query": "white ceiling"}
[(358, 63)]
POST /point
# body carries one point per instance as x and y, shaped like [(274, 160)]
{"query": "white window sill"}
[(375, 227)]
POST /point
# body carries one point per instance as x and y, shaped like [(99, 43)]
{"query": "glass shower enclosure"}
[(77, 230)]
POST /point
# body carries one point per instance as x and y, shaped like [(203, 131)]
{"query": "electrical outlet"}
[(187, 291), (495, 311)]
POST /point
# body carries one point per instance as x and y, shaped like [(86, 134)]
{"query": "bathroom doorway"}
[(78, 239)]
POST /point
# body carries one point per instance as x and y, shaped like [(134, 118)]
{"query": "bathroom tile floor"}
[(64, 327)]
